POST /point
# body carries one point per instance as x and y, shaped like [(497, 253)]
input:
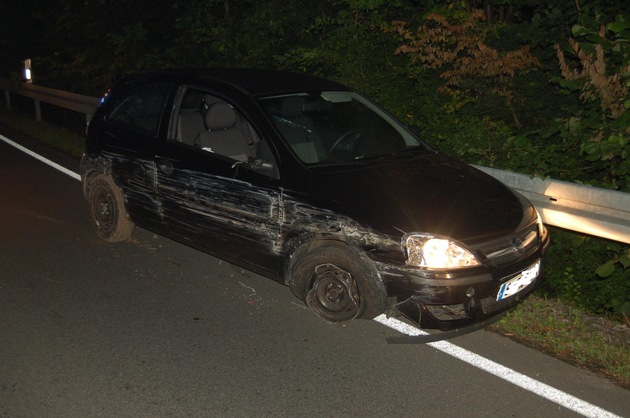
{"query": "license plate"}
[(519, 282)]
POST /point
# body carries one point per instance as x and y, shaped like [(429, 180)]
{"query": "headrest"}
[(209, 100), (220, 116)]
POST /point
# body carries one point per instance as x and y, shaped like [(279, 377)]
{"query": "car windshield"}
[(336, 126)]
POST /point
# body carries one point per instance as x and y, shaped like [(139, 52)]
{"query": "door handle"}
[(166, 166)]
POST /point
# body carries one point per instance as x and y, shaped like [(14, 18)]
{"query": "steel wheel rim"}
[(334, 294), (104, 209)]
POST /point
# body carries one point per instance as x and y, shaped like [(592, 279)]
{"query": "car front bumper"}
[(449, 300)]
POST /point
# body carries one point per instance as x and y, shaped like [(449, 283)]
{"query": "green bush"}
[(590, 272)]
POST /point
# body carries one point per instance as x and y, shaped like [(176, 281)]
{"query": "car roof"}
[(255, 82)]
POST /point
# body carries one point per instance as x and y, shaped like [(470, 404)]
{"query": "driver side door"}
[(218, 202)]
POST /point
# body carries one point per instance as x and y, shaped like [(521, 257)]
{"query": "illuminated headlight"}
[(435, 252)]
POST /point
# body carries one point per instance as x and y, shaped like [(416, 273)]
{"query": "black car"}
[(308, 182)]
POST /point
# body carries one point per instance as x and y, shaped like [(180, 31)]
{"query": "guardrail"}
[(589, 210), (577, 207), (76, 102)]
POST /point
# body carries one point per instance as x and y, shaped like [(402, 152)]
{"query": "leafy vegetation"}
[(467, 63), (531, 86), (589, 272)]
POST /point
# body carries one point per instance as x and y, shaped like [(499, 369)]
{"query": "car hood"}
[(428, 193)]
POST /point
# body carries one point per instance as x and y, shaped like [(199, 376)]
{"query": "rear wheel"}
[(107, 209), (336, 284)]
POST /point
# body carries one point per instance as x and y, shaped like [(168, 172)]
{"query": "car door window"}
[(142, 110), (214, 125)]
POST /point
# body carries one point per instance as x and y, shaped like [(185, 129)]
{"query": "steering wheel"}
[(353, 134)]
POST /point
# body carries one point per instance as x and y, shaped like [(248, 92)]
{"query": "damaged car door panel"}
[(308, 182)]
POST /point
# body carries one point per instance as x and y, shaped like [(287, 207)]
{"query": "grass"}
[(64, 140), (547, 325), (566, 332)]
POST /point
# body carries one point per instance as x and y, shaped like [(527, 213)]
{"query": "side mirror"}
[(262, 166)]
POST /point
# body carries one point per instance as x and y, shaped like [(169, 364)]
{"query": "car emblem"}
[(518, 246)]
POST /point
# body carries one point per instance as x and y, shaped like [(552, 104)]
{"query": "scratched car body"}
[(308, 182)]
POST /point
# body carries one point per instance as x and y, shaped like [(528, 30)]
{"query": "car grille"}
[(510, 248)]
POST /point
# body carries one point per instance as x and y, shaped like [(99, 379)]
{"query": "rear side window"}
[(142, 110)]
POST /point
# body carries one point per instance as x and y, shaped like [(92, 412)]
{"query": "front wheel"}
[(107, 209), (336, 284)]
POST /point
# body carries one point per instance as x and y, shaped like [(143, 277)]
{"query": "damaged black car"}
[(312, 184)]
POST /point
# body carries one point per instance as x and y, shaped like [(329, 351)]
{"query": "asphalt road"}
[(152, 328)]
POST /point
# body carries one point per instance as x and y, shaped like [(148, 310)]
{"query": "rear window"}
[(142, 109)]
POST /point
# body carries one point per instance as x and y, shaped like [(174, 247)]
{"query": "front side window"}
[(209, 123), (142, 110), (333, 126)]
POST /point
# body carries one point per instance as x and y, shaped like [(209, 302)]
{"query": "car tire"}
[(336, 283), (107, 210)]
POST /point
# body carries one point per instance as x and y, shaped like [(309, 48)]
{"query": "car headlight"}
[(423, 250)]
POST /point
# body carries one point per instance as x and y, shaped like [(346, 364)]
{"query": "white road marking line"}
[(541, 389), (42, 159)]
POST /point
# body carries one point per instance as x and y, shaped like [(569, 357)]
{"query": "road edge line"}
[(512, 376), (45, 160)]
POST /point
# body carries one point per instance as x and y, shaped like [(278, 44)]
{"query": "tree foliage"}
[(609, 89), (460, 50), (595, 67)]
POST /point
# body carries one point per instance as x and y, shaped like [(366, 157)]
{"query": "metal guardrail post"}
[(38, 111), (7, 99)]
